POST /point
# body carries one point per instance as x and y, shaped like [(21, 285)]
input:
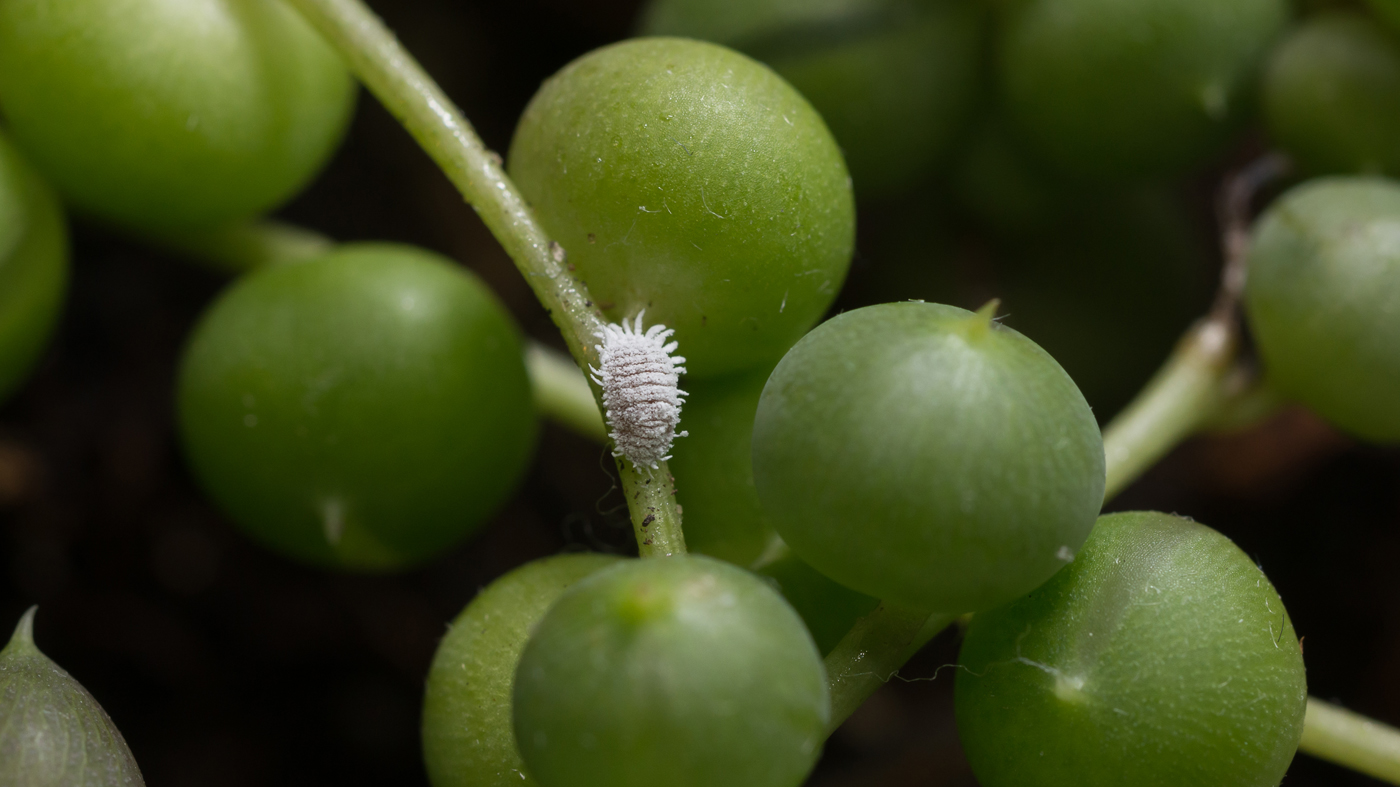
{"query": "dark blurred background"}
[(226, 665)]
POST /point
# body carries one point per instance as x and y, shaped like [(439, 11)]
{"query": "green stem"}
[(656, 519), (254, 244), (562, 393), (1185, 394), (1352, 741), (396, 79), (873, 651)]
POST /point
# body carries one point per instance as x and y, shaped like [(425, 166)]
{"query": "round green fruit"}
[(53, 733), (1323, 300), (1111, 89), (1332, 95), (682, 671), (1161, 657), (689, 181), (894, 79), (365, 409), (468, 738), (927, 455), (162, 116), (33, 267)]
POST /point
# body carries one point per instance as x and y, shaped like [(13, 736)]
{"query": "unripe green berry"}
[(1161, 657)]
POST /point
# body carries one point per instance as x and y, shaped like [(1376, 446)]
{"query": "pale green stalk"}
[(873, 651), (1351, 740)]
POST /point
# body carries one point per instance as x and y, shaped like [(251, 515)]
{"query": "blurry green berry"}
[(33, 267), (468, 740), (1111, 89), (165, 116), (1332, 95), (366, 409), (1323, 300)]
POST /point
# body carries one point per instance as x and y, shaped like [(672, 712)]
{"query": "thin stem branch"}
[(411, 96), (651, 499), (1351, 740), (873, 651), (255, 244), (1185, 393), (561, 392)]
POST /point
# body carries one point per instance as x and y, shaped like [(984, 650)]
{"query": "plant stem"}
[(395, 78), (656, 519), (561, 392), (249, 245), (1351, 740), (873, 651), (1185, 393)]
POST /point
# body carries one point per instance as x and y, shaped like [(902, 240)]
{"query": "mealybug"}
[(641, 395)]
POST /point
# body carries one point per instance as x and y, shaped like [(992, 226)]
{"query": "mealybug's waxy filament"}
[(641, 394)]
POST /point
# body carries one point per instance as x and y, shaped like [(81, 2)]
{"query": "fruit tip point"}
[(24, 631)]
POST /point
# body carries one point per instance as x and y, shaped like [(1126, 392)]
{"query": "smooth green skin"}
[(1161, 657), (1111, 90), (364, 410), (713, 467), (918, 453), (1323, 300), (33, 268), (52, 732), (161, 115), (468, 738), (894, 79), (683, 671), (687, 180), (1388, 10), (1332, 95)]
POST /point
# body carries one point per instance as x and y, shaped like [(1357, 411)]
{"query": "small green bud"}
[(52, 732)]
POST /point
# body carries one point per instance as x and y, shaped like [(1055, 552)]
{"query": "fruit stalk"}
[(379, 61), (872, 653), (1351, 740)]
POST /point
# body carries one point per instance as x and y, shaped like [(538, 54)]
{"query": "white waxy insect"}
[(641, 394)]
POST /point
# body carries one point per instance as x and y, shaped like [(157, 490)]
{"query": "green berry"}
[(1332, 95), (365, 409), (33, 267), (162, 116), (1323, 300), (52, 731), (714, 469), (691, 182), (468, 740), (894, 79), (682, 671), (927, 455), (1161, 657), (1111, 89)]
